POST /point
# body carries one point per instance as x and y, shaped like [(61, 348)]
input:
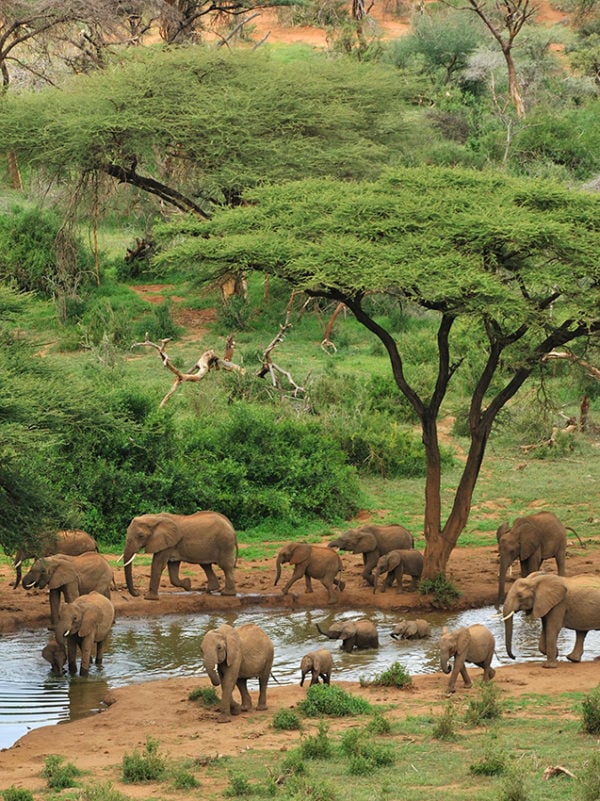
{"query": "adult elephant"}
[(311, 561), (232, 656), (561, 602), (372, 542), (72, 543), (531, 539), (396, 563), (85, 623), (69, 577), (203, 538), (353, 633)]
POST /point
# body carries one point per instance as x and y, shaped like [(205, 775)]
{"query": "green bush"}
[(207, 695), (59, 775), (104, 791), (239, 786), (590, 708), (328, 699), (486, 705), (317, 746), (394, 676), (147, 766), (378, 725), (444, 591), (17, 794), (587, 782), (286, 720), (365, 754), (493, 762), (445, 724)]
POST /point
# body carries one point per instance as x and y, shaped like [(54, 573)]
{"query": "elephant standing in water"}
[(372, 542), (418, 629), (561, 602), (72, 543), (203, 538), (85, 623), (69, 576), (232, 656), (311, 561), (474, 644), (353, 634)]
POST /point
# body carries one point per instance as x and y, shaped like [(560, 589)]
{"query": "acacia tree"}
[(513, 262)]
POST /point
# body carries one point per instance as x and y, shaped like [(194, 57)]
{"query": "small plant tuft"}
[(286, 720), (59, 775), (148, 766), (493, 762), (588, 780), (327, 699), (378, 725), (394, 676), (365, 755), (239, 786), (104, 791), (486, 706), (444, 591), (515, 786), (17, 794), (590, 708), (445, 728), (206, 695), (318, 746)]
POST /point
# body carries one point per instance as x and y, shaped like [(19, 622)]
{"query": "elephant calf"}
[(311, 561), (319, 664), (396, 563), (85, 623), (353, 634), (474, 644), (417, 629)]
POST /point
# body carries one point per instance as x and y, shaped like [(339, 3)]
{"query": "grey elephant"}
[(531, 539), (319, 664), (353, 633), (311, 561), (232, 656), (561, 602), (72, 543), (396, 563), (473, 644), (69, 576), (372, 542), (85, 623), (56, 654), (204, 538), (418, 629)]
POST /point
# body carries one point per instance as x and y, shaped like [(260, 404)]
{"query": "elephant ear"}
[(164, 535), (63, 574), (233, 644), (550, 590), (300, 554), (529, 541), (90, 618), (365, 542)]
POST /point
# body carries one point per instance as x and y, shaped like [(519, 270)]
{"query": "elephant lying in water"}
[(353, 634), (411, 629)]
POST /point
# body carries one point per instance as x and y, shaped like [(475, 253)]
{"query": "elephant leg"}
[(576, 653), (86, 656), (228, 706), (340, 584), (99, 653), (54, 607), (174, 576), (488, 671), (348, 645), (263, 680), (299, 571), (308, 581), (548, 642), (213, 581), (315, 677), (328, 584), (325, 677), (390, 578), (370, 562), (560, 564), (242, 685), (72, 654), (414, 584), (159, 560)]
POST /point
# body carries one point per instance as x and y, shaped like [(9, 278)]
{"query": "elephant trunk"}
[(508, 630), (211, 667), (505, 562), (325, 633), (278, 573), (128, 560), (444, 663), (337, 543)]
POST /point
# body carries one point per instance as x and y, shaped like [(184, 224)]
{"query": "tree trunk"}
[(513, 85), (14, 173)]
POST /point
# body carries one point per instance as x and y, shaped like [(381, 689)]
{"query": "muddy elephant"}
[(319, 664), (69, 576), (571, 602), (311, 561), (396, 563), (372, 542), (531, 539), (72, 543), (418, 629), (353, 634), (473, 644), (85, 623), (232, 656), (203, 538)]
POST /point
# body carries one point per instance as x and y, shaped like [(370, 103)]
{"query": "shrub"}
[(493, 762), (148, 766), (486, 706), (286, 720), (588, 780), (207, 695), (17, 794), (365, 755), (443, 590), (395, 676), (238, 786), (515, 786), (318, 746), (590, 707), (378, 725), (59, 775), (444, 728), (104, 791), (184, 779), (327, 699)]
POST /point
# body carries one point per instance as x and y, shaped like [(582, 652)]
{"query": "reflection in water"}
[(145, 649)]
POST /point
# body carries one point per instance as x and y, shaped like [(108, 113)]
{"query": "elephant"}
[(311, 561), (319, 664), (56, 654), (232, 656), (372, 542), (418, 629), (353, 633), (531, 539), (72, 543), (85, 623), (70, 576), (202, 538), (571, 602), (474, 644), (396, 563)]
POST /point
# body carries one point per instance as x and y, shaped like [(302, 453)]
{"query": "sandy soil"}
[(161, 709)]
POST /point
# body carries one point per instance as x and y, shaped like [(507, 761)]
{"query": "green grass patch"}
[(329, 699)]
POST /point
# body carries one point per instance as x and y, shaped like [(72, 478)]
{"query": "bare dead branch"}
[(557, 770), (592, 371)]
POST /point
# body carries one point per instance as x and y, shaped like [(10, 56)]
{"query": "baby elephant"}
[(474, 644), (319, 664), (56, 654), (353, 634), (311, 561), (396, 563), (417, 629)]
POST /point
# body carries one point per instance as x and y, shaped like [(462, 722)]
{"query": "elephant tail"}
[(275, 679), (583, 545)]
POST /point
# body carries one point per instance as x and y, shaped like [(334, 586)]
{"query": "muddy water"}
[(169, 646)]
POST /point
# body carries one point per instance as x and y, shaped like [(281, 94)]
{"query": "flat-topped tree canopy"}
[(516, 260)]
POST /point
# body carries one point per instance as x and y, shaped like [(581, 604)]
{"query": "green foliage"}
[(445, 724), (59, 774), (146, 766), (183, 779), (365, 754), (515, 785), (207, 695), (101, 791), (328, 699), (317, 746), (486, 706), (492, 762), (396, 675), (239, 786), (590, 712), (444, 591), (588, 779), (13, 793), (286, 720), (378, 725)]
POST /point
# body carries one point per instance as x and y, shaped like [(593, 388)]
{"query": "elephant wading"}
[(204, 538), (396, 563), (353, 634), (474, 644), (72, 543), (418, 629), (561, 602), (232, 656), (531, 539), (69, 576), (319, 664), (311, 561), (372, 542), (85, 623)]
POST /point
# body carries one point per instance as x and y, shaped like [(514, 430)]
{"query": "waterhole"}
[(143, 649)]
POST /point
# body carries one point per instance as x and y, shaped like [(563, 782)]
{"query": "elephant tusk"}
[(119, 559), (31, 584), (67, 632), (216, 667), (18, 564), (129, 561), (507, 617)]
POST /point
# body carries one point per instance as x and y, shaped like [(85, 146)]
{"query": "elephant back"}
[(392, 538), (257, 650), (94, 573)]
